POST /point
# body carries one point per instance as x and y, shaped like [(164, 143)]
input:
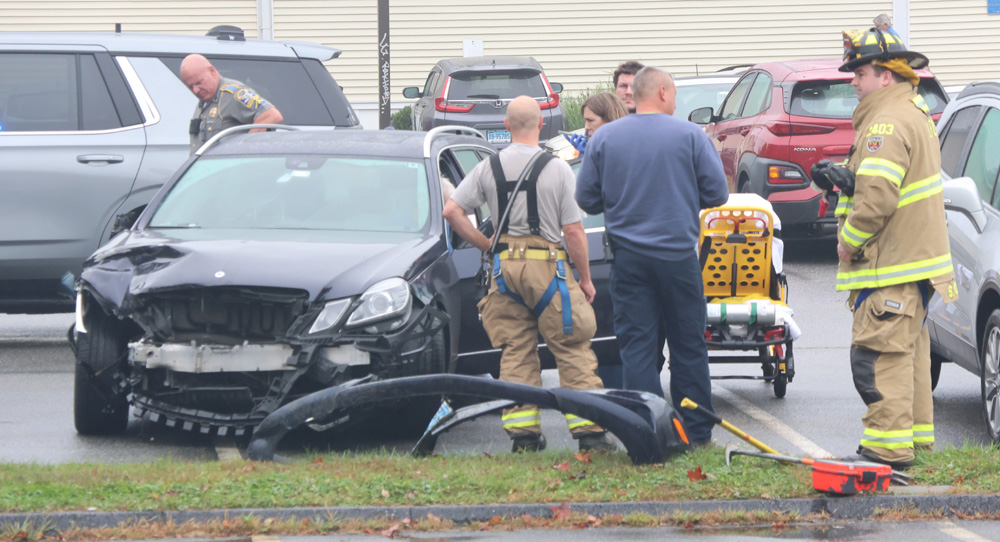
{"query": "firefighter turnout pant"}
[(891, 376), (526, 269)]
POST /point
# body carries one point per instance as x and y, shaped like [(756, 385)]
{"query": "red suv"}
[(781, 118)]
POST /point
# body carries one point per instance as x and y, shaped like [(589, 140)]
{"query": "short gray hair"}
[(648, 80), (883, 18)]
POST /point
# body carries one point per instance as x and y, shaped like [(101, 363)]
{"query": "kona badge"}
[(874, 143)]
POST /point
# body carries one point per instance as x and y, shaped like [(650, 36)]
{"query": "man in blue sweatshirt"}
[(651, 174)]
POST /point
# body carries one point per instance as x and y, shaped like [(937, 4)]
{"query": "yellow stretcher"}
[(745, 289)]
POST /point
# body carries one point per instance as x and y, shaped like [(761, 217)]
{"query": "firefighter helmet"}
[(877, 45)]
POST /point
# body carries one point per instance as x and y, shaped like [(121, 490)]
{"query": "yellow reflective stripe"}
[(878, 167), (918, 101), (923, 433), (887, 445), (573, 421), (844, 205), (528, 418), (895, 434), (854, 236), (922, 189), (890, 440), (895, 274)]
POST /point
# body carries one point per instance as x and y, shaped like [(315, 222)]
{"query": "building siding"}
[(161, 16), (579, 42), (958, 36)]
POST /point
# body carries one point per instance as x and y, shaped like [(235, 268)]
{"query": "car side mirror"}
[(556, 87), (125, 221), (411, 92), (702, 115), (962, 196)]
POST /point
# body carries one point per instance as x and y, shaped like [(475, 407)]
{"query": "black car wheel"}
[(990, 376), (97, 410)]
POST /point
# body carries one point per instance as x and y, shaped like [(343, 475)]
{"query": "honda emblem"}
[(498, 104)]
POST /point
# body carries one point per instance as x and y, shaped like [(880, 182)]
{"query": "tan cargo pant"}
[(513, 328), (891, 376)]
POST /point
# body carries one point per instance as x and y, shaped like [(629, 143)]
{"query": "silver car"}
[(91, 125), (967, 332)]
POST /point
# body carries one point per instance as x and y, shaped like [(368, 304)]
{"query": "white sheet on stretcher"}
[(777, 245)]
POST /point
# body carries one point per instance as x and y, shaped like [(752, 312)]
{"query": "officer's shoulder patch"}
[(874, 143), (230, 88), (248, 98)]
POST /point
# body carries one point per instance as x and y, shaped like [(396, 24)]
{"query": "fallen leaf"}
[(250, 467), (171, 493), (620, 491), (385, 493), (696, 474), (495, 520), (582, 456), (433, 519), (391, 531), (406, 521), (553, 483), (411, 495), (94, 472), (560, 512), (578, 476), (561, 466), (317, 460), (487, 454), (593, 521)]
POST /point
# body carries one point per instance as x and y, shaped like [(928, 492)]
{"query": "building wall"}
[(579, 42), (959, 37), (165, 16)]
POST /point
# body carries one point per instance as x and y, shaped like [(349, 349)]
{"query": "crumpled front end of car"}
[(218, 359)]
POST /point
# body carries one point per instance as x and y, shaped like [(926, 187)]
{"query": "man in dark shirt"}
[(651, 174)]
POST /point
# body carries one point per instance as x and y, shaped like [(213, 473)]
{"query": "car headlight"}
[(386, 299), (330, 315)]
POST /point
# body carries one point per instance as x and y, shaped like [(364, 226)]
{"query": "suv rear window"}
[(287, 85), (493, 85), (837, 99)]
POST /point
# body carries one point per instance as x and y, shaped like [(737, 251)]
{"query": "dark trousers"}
[(645, 291)]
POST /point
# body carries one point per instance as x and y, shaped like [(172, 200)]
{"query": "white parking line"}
[(955, 531), (264, 538), (798, 440)]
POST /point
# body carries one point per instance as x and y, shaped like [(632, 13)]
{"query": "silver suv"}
[(475, 91), (91, 125)]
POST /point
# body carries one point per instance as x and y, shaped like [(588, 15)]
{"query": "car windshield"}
[(691, 97), (494, 85), (837, 99), (307, 192)]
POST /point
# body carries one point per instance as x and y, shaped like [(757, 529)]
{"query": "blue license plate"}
[(498, 136)]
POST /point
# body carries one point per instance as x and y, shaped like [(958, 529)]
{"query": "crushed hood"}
[(324, 264)]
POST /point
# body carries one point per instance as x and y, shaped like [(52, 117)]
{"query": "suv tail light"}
[(784, 175), (553, 100), (797, 129), (441, 102), (551, 103)]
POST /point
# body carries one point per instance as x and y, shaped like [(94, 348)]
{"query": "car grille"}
[(224, 315)]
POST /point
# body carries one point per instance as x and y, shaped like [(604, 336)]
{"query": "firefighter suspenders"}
[(530, 186)]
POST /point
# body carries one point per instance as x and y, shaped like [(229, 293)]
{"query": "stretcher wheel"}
[(780, 383)]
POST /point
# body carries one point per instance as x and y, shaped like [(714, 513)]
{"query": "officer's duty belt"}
[(533, 254)]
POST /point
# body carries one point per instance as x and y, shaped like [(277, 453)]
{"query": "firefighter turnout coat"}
[(895, 222)]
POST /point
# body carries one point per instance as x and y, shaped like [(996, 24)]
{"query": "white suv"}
[(91, 125)]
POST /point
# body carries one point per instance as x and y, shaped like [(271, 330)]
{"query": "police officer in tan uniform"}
[(533, 289), (892, 244), (224, 103)]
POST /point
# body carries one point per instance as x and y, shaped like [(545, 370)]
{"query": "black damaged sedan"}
[(276, 264)]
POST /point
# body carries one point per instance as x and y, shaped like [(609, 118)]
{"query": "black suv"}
[(475, 91)]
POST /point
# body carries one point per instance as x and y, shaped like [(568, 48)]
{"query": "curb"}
[(855, 508)]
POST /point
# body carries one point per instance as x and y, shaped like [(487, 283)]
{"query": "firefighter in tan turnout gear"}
[(892, 244), (533, 289)]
